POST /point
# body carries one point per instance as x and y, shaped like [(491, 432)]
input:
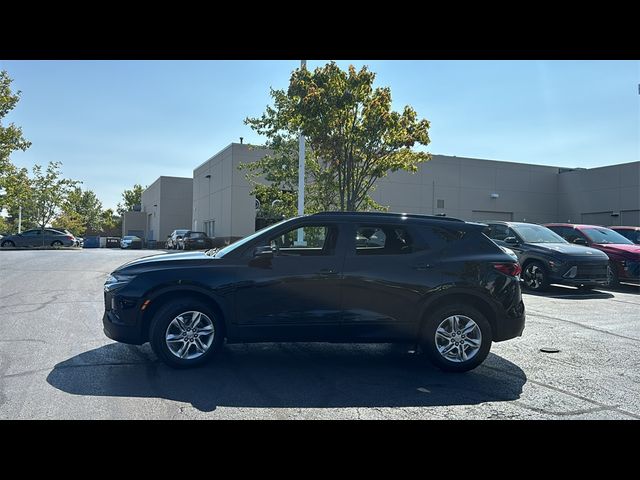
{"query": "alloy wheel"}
[(458, 338), (190, 335)]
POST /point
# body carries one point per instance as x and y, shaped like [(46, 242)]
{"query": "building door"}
[(489, 215)]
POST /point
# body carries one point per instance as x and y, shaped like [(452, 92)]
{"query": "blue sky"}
[(116, 123)]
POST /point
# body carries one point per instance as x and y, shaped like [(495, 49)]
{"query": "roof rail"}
[(394, 214)]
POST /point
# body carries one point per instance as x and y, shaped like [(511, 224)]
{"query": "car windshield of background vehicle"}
[(537, 234), (604, 235), (230, 248)]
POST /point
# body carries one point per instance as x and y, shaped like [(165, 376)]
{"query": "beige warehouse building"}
[(467, 188)]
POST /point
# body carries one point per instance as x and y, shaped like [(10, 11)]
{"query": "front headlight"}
[(117, 281)]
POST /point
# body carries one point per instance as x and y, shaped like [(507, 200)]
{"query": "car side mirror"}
[(511, 240), (579, 241)]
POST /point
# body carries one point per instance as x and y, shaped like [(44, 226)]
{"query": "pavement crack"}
[(578, 324)]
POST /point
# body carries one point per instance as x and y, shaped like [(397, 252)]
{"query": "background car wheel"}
[(56, 243), (8, 243), (535, 277), (186, 333), (614, 281), (457, 338)]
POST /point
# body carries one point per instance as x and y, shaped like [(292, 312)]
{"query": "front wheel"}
[(186, 333), (8, 243), (535, 277), (457, 338)]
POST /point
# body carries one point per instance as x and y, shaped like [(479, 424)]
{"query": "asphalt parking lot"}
[(55, 362)]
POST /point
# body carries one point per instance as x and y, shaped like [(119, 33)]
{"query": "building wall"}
[(176, 201), (134, 223), (173, 198), (473, 189), (151, 197), (224, 197), (604, 196), (467, 188)]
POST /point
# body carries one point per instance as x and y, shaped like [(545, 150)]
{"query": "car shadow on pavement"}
[(278, 375), (569, 293)]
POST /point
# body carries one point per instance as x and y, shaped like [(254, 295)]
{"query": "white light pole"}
[(303, 66)]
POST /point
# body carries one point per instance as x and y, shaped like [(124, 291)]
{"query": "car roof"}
[(503, 222), (370, 216), (623, 227), (573, 225)]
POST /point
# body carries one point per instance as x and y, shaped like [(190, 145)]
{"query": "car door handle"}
[(327, 271), (422, 266)]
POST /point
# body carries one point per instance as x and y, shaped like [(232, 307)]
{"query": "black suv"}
[(548, 258), (329, 277)]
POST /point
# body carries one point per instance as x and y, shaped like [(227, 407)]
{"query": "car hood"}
[(165, 260), (569, 249), (630, 251)]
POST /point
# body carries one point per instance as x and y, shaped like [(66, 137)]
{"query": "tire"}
[(535, 277), (435, 344), (8, 243), (56, 243), (166, 322), (614, 281)]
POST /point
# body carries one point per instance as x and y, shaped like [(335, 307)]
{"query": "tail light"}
[(69, 237), (511, 269)]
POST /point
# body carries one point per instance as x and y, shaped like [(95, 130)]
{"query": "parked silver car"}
[(39, 238), (173, 240)]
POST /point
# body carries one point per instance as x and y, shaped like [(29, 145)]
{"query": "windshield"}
[(197, 235), (537, 234), (605, 235), (129, 238), (230, 248)]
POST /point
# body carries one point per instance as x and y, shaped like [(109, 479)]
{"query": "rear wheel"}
[(186, 333), (457, 338), (8, 243), (56, 243), (535, 277)]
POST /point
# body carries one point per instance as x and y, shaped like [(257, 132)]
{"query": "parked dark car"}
[(436, 282), (174, 238), (630, 233), (131, 242), (194, 241), (547, 258), (624, 255), (39, 238)]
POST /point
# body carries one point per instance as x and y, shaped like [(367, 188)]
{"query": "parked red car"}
[(632, 233), (624, 255)]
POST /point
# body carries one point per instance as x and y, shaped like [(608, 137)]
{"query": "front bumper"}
[(581, 273), (121, 332)]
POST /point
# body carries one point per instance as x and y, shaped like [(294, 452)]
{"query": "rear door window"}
[(384, 240)]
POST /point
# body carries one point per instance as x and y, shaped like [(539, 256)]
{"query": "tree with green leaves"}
[(49, 192), (82, 210), (18, 195), (110, 223), (130, 198), (353, 137), (11, 138)]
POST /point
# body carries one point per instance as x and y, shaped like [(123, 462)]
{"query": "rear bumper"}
[(511, 325)]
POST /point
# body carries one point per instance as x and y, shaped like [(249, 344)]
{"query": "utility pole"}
[(301, 155)]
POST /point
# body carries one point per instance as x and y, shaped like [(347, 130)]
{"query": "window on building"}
[(440, 203), (209, 227)]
